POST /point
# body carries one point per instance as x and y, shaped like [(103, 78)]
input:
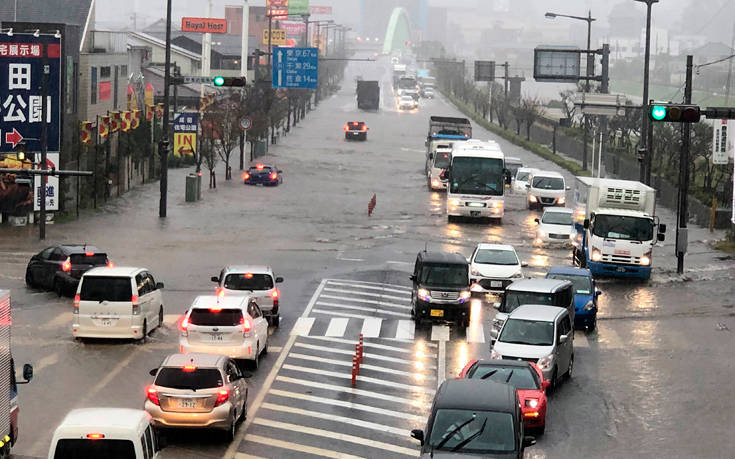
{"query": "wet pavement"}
[(654, 380)]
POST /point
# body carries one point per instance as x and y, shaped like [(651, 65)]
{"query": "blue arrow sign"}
[(295, 68)]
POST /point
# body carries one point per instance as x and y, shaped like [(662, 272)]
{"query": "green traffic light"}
[(658, 112), (219, 81)]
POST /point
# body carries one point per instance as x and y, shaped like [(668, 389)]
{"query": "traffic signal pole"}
[(683, 211)]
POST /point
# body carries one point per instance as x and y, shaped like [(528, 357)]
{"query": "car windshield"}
[(522, 176), (513, 167), (513, 299), (522, 378), (496, 257), (103, 288), (530, 332), (480, 432), (248, 281), (581, 284), (442, 160), (82, 448), (557, 218), (215, 318), (97, 259), (548, 183), (479, 176), (444, 274), (180, 378), (622, 227)]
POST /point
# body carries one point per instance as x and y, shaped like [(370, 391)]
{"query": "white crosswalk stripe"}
[(371, 327), (303, 326), (406, 330), (337, 327)]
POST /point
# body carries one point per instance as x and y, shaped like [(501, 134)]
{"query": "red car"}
[(526, 377)]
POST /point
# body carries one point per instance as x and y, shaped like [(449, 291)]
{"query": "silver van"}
[(551, 292)]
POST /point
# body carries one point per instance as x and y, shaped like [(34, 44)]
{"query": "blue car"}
[(585, 294), (261, 174)]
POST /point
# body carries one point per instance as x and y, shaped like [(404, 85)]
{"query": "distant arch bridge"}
[(398, 35)]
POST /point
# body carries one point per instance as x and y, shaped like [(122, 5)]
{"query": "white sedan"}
[(521, 179), (493, 267), (555, 227), (407, 103)]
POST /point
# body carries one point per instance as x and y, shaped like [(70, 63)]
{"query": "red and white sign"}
[(722, 144), (293, 28), (204, 25), (277, 4), (278, 13), (320, 9), (28, 50)]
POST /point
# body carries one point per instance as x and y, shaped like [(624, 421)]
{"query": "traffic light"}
[(228, 81), (675, 113)]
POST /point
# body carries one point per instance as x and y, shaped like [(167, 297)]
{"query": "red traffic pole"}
[(354, 370)]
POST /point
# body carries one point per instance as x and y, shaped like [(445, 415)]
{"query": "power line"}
[(714, 62)]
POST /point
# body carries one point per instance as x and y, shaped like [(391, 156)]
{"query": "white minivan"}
[(117, 303), (546, 188), (110, 433)]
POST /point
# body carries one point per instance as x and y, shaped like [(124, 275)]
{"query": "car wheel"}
[(160, 316), (276, 320), (265, 348), (29, 278), (570, 368), (230, 432), (145, 332), (592, 326), (540, 430), (58, 288), (256, 361)]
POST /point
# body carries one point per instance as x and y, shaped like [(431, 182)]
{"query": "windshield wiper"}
[(485, 376), (449, 435), (471, 437)]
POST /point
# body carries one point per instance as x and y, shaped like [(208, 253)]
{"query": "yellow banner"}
[(185, 143)]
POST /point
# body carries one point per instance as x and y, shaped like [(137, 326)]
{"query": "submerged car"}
[(59, 268), (262, 174), (356, 130)]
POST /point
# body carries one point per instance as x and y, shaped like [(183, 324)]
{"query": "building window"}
[(124, 71), (105, 72), (93, 84)]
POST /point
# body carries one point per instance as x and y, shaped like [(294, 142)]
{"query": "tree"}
[(225, 116), (567, 104), (530, 110), (207, 148)]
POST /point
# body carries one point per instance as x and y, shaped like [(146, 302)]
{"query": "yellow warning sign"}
[(278, 37), (185, 143)]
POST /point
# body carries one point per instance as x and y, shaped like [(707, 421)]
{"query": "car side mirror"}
[(662, 228), (496, 305), (493, 334), (524, 264), (412, 277), (418, 434), (27, 373), (537, 221), (545, 385), (563, 339), (528, 186), (568, 188), (528, 441), (279, 280), (159, 285), (661, 237), (153, 372), (586, 223), (598, 292), (215, 279)]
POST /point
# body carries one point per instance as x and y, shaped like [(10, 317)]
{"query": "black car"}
[(60, 267), (474, 418), (441, 288), (356, 130), (262, 174)]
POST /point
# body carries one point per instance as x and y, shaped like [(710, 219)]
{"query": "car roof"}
[(540, 285), (78, 248), (540, 173), (559, 210), (198, 359), (569, 270), (536, 312), (257, 269), (504, 363), (443, 257), (118, 271), (489, 246), (225, 302), (476, 395), (99, 418), (527, 169)]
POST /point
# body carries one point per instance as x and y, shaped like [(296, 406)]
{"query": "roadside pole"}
[(683, 211), (44, 142)]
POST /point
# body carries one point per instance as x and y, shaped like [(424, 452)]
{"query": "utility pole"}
[(604, 89), (645, 149), (163, 147), (683, 211), (270, 35), (44, 143), (729, 69), (244, 42), (306, 30)]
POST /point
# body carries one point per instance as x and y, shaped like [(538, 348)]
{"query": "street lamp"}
[(646, 129)]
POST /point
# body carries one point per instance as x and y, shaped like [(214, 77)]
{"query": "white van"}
[(110, 433), (117, 303), (546, 188)]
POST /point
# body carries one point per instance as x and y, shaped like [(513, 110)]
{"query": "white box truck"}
[(616, 227)]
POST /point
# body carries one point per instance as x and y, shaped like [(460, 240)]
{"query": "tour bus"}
[(476, 180)]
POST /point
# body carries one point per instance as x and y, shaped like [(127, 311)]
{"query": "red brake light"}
[(152, 395), (364, 128), (95, 436), (77, 298), (220, 292), (89, 254), (245, 176), (189, 368), (246, 325), (259, 166), (215, 309), (134, 300), (274, 293), (347, 128), (110, 264), (185, 323), (248, 275), (199, 174), (66, 265), (222, 397), (274, 176)]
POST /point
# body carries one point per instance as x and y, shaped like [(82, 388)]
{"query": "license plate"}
[(217, 337), (474, 213), (106, 323), (187, 403), (437, 313), (496, 284)]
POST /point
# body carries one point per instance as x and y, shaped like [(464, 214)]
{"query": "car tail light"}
[(77, 299), (110, 264), (248, 275), (89, 254), (188, 368), (66, 265), (215, 309), (152, 395), (274, 176), (246, 176), (274, 296), (347, 128), (364, 128), (185, 326), (222, 397), (136, 306), (95, 436), (220, 292), (246, 325)]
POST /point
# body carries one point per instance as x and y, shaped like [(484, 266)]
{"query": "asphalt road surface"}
[(654, 380)]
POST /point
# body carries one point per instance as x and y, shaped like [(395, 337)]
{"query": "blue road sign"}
[(186, 122), (21, 71), (295, 68)]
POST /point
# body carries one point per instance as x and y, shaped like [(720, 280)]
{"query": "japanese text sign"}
[(295, 67)]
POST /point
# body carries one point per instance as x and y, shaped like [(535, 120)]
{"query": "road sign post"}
[(295, 68)]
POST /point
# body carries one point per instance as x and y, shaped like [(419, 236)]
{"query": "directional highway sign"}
[(295, 68)]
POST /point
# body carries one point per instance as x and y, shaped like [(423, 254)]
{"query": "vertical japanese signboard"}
[(186, 126), (722, 144), (21, 73)]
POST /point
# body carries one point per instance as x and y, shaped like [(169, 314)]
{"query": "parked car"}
[(555, 227), (585, 294), (474, 418), (256, 281), (197, 391), (233, 326), (262, 174), (526, 377), (540, 334), (117, 303), (356, 130), (441, 288), (59, 268), (493, 267)]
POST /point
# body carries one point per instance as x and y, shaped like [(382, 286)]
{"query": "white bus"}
[(476, 180)]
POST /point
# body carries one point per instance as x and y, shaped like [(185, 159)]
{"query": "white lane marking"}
[(337, 436), (340, 314), (294, 447), (330, 417), (365, 300), (349, 390), (580, 339), (380, 382), (350, 405), (337, 326), (303, 325), (371, 327), (441, 372), (405, 330), (340, 258), (475, 333), (406, 298), (349, 364), (62, 319), (373, 286), (366, 355), (369, 344), (253, 409), (275, 349), (361, 308), (248, 456), (439, 333)]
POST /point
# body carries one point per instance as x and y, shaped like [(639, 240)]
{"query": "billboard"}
[(204, 25), (556, 64)]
